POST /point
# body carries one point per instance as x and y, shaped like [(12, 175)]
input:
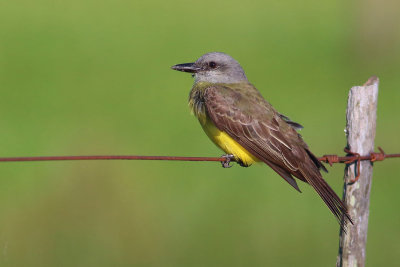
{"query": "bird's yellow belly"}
[(226, 143)]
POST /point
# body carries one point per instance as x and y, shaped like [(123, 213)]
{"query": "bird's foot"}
[(228, 159)]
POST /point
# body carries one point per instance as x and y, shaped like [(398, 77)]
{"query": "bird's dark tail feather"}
[(331, 199), (316, 161)]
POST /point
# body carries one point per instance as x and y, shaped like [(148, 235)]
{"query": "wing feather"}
[(271, 137)]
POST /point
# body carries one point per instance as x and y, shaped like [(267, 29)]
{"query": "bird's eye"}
[(212, 64)]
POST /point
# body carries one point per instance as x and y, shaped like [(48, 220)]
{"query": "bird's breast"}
[(226, 143), (197, 105), (220, 138)]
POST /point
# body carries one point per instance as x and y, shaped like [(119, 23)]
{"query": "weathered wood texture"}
[(360, 130)]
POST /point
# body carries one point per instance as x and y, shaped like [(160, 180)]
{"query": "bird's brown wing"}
[(240, 111)]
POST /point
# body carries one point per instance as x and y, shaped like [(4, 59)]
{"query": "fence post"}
[(360, 131)]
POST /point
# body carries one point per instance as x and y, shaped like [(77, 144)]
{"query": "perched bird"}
[(244, 125)]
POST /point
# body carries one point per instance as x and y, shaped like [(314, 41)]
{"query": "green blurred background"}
[(94, 77)]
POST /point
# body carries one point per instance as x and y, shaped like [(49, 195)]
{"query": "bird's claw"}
[(227, 161)]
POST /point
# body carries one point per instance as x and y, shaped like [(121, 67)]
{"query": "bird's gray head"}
[(214, 67)]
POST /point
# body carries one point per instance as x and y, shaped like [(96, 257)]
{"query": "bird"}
[(237, 118)]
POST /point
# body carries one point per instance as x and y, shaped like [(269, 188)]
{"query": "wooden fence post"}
[(360, 131)]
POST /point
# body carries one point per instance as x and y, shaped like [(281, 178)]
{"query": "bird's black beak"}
[(186, 67)]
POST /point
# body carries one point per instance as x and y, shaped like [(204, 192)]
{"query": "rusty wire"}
[(350, 158), (330, 159), (353, 157)]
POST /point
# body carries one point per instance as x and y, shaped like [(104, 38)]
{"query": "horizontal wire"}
[(353, 157), (107, 157)]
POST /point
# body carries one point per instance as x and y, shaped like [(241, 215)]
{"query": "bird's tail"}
[(331, 199)]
